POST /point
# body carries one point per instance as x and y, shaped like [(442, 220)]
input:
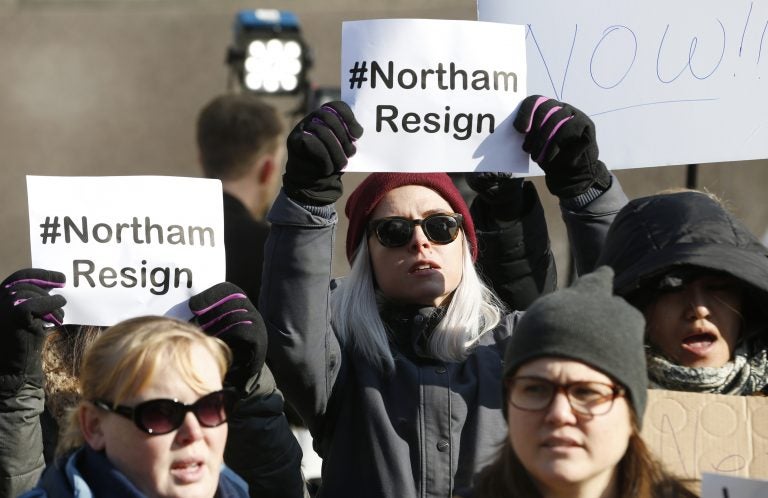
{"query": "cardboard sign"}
[(128, 246), (665, 82), (434, 95), (696, 433), (720, 486)]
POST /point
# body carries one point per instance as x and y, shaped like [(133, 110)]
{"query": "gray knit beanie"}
[(586, 323)]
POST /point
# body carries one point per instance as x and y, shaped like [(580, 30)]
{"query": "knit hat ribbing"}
[(586, 323), (367, 195)]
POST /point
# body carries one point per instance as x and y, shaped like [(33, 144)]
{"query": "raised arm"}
[(260, 445), (27, 310), (304, 353), (514, 251), (562, 140)]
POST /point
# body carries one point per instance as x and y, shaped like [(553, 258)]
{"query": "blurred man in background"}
[(240, 142)]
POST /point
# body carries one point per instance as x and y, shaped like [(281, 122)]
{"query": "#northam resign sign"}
[(434, 95), (128, 246)]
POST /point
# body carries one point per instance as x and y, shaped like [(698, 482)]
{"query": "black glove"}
[(563, 144), (501, 192), (27, 310), (318, 149), (224, 311)]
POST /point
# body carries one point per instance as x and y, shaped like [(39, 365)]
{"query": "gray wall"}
[(113, 88)]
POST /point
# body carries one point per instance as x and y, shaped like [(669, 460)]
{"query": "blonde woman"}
[(32, 317), (153, 417)]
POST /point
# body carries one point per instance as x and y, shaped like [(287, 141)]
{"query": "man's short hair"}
[(231, 130)]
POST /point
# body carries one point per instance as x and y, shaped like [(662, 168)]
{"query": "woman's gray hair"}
[(473, 310)]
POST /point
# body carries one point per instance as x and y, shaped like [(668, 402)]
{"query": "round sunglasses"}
[(161, 416), (396, 231)]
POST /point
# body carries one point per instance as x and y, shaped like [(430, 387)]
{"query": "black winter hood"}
[(654, 235)]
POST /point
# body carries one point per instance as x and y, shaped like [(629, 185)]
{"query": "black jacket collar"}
[(411, 326)]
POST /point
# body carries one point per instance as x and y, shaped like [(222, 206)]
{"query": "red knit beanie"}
[(367, 195)]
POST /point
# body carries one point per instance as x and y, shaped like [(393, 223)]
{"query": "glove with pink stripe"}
[(561, 139), (318, 149), (224, 311), (27, 311)]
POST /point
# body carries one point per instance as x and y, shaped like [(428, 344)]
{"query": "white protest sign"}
[(128, 245), (665, 82), (434, 95), (722, 486)]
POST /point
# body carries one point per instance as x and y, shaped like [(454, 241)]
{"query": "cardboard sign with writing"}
[(665, 82), (434, 95), (696, 433), (128, 246)]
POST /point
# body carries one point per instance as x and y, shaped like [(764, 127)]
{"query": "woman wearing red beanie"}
[(396, 369)]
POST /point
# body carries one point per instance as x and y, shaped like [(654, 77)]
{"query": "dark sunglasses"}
[(161, 416), (396, 231)]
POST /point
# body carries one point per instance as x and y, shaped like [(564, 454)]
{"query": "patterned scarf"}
[(745, 375)]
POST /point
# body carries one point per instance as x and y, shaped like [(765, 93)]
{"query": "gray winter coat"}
[(420, 431), (21, 440)]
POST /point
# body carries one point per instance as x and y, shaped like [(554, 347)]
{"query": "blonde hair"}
[(125, 357), (473, 310), (63, 353)]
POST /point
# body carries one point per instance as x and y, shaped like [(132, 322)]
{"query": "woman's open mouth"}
[(699, 344)]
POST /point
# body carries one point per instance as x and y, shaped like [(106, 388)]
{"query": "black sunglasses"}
[(161, 416), (396, 231)]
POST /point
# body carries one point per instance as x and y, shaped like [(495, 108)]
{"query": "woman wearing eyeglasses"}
[(575, 392), (153, 417), (396, 368)]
